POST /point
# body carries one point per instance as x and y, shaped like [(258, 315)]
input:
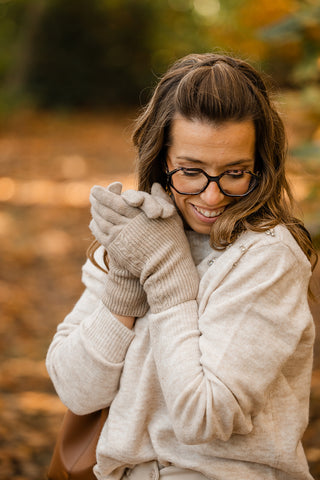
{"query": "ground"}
[(48, 162)]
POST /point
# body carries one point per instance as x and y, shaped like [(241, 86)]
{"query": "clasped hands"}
[(150, 262)]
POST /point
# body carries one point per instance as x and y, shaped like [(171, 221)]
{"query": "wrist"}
[(126, 321)]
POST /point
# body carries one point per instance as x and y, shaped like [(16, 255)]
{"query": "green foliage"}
[(99, 53), (300, 31), (309, 153), (11, 14)]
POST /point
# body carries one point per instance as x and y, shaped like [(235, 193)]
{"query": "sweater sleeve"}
[(87, 353), (216, 367)]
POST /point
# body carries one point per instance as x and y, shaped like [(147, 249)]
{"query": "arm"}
[(86, 356), (216, 370)]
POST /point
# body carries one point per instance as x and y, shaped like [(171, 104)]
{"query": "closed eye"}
[(191, 172), (235, 173)]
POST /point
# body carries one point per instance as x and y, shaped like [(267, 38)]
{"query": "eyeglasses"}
[(232, 183)]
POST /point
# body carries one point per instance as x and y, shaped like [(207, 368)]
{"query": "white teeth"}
[(209, 214)]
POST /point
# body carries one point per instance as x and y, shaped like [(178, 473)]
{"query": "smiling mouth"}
[(209, 213)]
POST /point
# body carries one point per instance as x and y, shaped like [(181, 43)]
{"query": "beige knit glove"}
[(156, 251), (110, 212)]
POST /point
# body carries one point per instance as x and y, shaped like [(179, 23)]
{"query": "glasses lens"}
[(189, 181), (237, 183)]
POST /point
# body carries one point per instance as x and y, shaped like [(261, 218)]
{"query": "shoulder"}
[(256, 258), (274, 241), (266, 268)]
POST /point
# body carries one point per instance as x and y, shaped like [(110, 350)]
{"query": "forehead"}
[(209, 143)]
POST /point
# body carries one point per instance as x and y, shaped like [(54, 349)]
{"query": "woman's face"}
[(215, 149)]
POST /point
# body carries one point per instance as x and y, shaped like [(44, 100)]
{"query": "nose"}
[(212, 194)]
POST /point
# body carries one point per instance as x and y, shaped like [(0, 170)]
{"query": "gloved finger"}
[(97, 233), (144, 202), (102, 213), (105, 226), (135, 198), (101, 197), (104, 238), (115, 187), (152, 208), (155, 205), (106, 196), (168, 207), (158, 191)]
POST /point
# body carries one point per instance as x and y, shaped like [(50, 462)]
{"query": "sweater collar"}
[(199, 245)]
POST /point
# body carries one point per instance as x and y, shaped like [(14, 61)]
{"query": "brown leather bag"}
[(74, 455)]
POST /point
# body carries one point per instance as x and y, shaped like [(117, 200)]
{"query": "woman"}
[(200, 337)]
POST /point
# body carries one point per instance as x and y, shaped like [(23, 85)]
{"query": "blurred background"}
[(73, 76)]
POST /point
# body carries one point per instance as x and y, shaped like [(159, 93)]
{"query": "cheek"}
[(183, 205), (178, 199)]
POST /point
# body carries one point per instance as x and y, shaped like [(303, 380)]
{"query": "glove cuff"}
[(124, 295)]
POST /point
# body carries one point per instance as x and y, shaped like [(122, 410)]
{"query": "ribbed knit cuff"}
[(105, 337), (124, 295)]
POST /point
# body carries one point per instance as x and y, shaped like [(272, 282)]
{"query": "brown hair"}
[(217, 88)]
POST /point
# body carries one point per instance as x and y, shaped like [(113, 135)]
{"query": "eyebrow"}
[(231, 164)]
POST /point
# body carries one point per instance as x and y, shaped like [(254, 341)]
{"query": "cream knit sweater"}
[(220, 385)]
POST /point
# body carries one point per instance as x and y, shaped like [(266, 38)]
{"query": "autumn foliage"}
[(48, 164)]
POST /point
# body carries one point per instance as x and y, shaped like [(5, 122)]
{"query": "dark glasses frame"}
[(210, 178)]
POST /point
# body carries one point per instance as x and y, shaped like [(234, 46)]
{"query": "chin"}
[(202, 229)]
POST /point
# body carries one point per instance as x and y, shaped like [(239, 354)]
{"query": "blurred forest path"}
[(48, 164)]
